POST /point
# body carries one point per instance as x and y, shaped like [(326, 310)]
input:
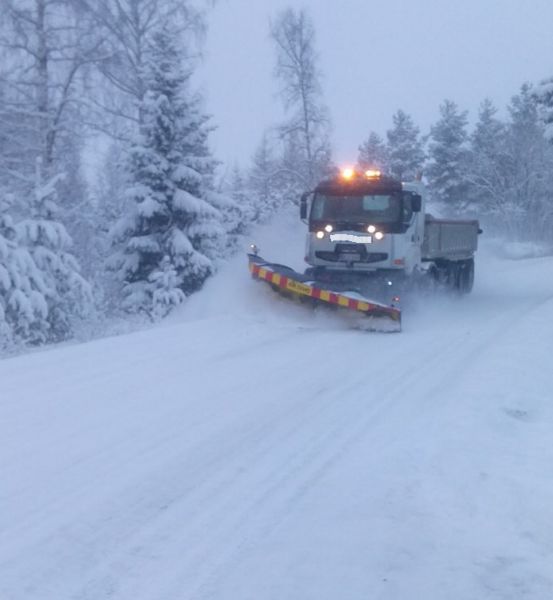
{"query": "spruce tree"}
[(448, 153), (68, 295), (264, 181), (242, 216), (171, 233), (23, 305), (373, 153), (405, 148)]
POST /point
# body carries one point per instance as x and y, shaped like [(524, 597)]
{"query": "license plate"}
[(348, 237)]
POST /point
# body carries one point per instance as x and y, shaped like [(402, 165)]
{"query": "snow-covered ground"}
[(249, 449)]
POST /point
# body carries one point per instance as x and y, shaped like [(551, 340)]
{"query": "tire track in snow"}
[(294, 447), (315, 462), (209, 496), (314, 459)]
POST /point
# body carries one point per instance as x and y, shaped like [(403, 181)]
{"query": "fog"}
[(376, 57)]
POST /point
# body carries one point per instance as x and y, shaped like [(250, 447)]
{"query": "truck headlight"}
[(320, 235), (379, 235), (371, 228), (329, 228)]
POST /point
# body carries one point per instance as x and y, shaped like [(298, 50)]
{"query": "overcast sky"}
[(376, 57)]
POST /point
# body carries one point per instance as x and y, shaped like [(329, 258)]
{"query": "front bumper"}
[(349, 255)]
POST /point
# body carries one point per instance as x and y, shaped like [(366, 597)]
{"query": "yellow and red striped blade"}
[(289, 284)]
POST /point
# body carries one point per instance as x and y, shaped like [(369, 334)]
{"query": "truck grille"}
[(343, 257)]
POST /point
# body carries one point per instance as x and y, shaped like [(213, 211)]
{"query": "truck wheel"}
[(465, 276), (452, 275)]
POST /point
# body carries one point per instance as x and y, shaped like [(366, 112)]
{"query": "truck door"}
[(412, 237)]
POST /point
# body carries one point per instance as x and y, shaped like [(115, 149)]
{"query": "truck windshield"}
[(369, 208)]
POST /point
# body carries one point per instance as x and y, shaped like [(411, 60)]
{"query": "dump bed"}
[(449, 239)]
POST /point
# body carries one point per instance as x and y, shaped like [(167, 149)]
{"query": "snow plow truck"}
[(369, 239)]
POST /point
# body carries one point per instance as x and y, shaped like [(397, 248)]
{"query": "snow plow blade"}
[(372, 316)]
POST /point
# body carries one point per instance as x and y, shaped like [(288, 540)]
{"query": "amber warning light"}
[(348, 173)]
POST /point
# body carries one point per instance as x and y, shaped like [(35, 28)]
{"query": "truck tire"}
[(452, 275), (459, 275), (465, 276)]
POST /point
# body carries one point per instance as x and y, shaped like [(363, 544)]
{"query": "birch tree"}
[(306, 132), (489, 163), (45, 44), (128, 27)]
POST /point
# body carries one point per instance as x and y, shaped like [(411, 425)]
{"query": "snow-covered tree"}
[(232, 225), (528, 209), (171, 232), (489, 163), (543, 95), (263, 181), (289, 177), (243, 213), (305, 134), (126, 28), (166, 293), (23, 291), (448, 154), (373, 153), (405, 148), (67, 293), (512, 170), (46, 45)]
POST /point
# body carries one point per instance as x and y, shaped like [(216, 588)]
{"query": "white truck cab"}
[(366, 224)]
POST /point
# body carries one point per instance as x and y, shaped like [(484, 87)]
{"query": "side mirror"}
[(303, 206), (416, 203)]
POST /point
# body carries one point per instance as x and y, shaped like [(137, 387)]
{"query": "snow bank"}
[(518, 250)]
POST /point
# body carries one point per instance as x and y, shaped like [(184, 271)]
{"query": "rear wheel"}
[(465, 276), (455, 275)]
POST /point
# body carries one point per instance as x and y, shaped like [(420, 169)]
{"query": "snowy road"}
[(250, 449)]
